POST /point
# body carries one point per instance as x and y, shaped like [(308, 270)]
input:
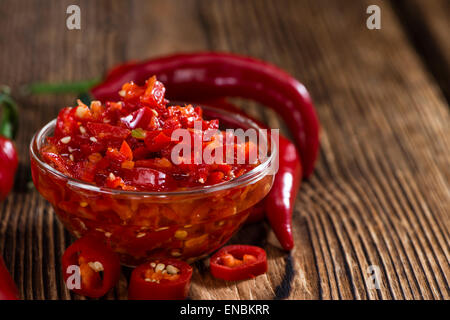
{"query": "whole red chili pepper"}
[(99, 267), (281, 198), (279, 203), (8, 154), (210, 75), (8, 290)]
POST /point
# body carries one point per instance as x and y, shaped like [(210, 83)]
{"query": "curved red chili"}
[(166, 279), (8, 153), (238, 262), (279, 203), (213, 75), (8, 290), (98, 266), (281, 198)]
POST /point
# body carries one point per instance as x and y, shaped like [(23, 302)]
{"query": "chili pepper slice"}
[(8, 290), (238, 262), (279, 203), (166, 279), (8, 153), (99, 267)]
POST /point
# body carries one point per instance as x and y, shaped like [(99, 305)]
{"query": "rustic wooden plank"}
[(427, 24), (380, 194), (323, 69)]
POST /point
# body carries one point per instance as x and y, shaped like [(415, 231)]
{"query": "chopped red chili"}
[(166, 279), (246, 77), (99, 267), (278, 206), (238, 262), (203, 75), (128, 144)]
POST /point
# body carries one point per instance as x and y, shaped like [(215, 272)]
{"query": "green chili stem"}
[(65, 87), (9, 121)]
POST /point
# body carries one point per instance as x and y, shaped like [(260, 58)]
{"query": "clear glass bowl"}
[(140, 226)]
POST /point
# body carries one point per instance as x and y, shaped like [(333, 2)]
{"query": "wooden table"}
[(380, 195)]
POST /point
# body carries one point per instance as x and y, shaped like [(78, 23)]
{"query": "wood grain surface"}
[(380, 195), (426, 24)]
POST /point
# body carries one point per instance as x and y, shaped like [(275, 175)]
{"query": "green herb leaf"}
[(138, 133)]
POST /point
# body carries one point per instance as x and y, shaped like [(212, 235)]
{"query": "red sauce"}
[(127, 144)]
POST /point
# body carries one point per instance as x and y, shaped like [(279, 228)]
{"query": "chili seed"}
[(96, 266), (95, 103), (160, 267), (175, 253), (172, 270), (66, 140), (83, 225), (82, 112), (181, 234)]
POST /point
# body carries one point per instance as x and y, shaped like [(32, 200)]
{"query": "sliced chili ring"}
[(238, 262), (165, 279), (99, 266)]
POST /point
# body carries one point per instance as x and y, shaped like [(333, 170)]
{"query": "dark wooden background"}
[(380, 194)]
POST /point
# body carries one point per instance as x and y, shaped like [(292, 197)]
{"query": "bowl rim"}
[(249, 177)]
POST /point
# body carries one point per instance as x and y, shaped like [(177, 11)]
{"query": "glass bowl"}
[(140, 226)]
